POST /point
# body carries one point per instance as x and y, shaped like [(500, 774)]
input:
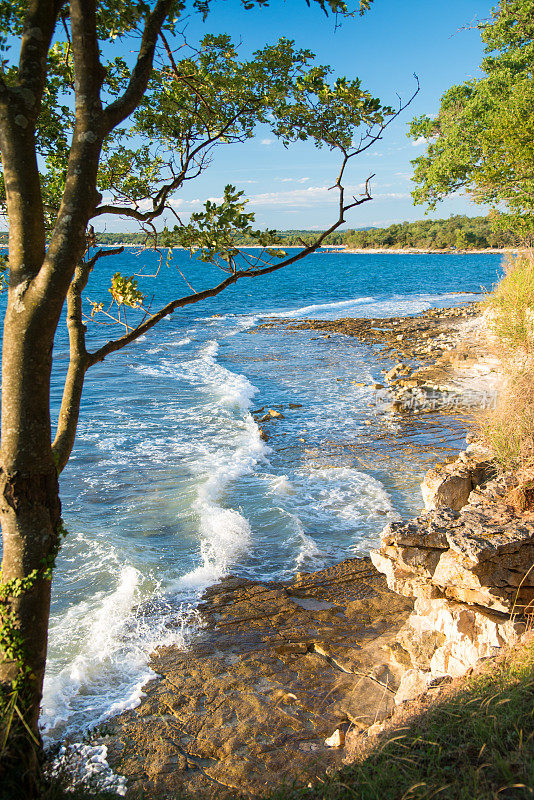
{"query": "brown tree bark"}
[(40, 277)]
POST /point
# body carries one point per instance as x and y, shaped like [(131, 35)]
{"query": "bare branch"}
[(121, 108), (117, 344)]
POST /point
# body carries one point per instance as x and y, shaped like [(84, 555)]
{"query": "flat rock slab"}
[(422, 337), (276, 670)]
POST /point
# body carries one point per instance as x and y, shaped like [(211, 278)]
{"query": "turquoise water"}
[(170, 486)]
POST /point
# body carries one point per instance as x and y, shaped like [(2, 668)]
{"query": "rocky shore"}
[(468, 570), (441, 358), (286, 680), (268, 690)]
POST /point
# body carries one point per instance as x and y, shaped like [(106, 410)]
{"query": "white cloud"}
[(312, 195), (303, 197), (419, 142), (292, 180), (392, 196), (267, 141)]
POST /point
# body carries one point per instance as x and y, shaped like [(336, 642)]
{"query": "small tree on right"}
[(482, 138)]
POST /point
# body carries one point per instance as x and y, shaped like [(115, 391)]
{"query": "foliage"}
[(458, 231), (124, 291), (214, 232), (482, 138)]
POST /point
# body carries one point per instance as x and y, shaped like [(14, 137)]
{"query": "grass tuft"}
[(510, 307)]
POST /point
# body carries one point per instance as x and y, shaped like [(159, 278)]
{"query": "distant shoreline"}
[(334, 250), (427, 251)]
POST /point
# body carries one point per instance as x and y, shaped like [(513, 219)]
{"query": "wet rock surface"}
[(269, 688), (441, 359), (401, 338)]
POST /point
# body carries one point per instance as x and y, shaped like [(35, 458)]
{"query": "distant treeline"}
[(460, 232), (168, 238)]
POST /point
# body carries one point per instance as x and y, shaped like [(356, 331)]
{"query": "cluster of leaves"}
[(124, 291), (482, 138), (215, 232)]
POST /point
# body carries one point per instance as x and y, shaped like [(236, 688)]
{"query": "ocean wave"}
[(320, 307)]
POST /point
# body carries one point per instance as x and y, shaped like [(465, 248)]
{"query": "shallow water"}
[(170, 486)]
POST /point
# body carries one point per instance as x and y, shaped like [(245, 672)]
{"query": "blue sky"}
[(289, 188)]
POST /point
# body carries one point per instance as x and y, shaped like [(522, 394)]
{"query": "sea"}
[(170, 486)]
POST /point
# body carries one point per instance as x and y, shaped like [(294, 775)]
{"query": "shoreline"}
[(342, 249), (258, 676), (423, 251)]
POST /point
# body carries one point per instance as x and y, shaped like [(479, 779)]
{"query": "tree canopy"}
[(482, 138)]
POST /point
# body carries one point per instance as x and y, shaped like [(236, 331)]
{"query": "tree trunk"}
[(29, 515)]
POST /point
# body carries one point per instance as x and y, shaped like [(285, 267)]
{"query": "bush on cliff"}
[(509, 428)]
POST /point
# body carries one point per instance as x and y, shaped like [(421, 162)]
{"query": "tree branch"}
[(39, 28), (121, 108), (78, 361), (67, 242), (117, 344)]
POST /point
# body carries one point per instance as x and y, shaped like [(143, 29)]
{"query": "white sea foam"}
[(86, 766), (225, 532), (280, 484), (321, 307), (309, 554), (372, 307), (106, 641), (348, 494)]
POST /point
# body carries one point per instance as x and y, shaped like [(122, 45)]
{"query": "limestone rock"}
[(394, 372), (337, 739), (414, 682), (470, 571), (446, 491)]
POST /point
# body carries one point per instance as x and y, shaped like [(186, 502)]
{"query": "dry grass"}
[(511, 306), (509, 428)]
